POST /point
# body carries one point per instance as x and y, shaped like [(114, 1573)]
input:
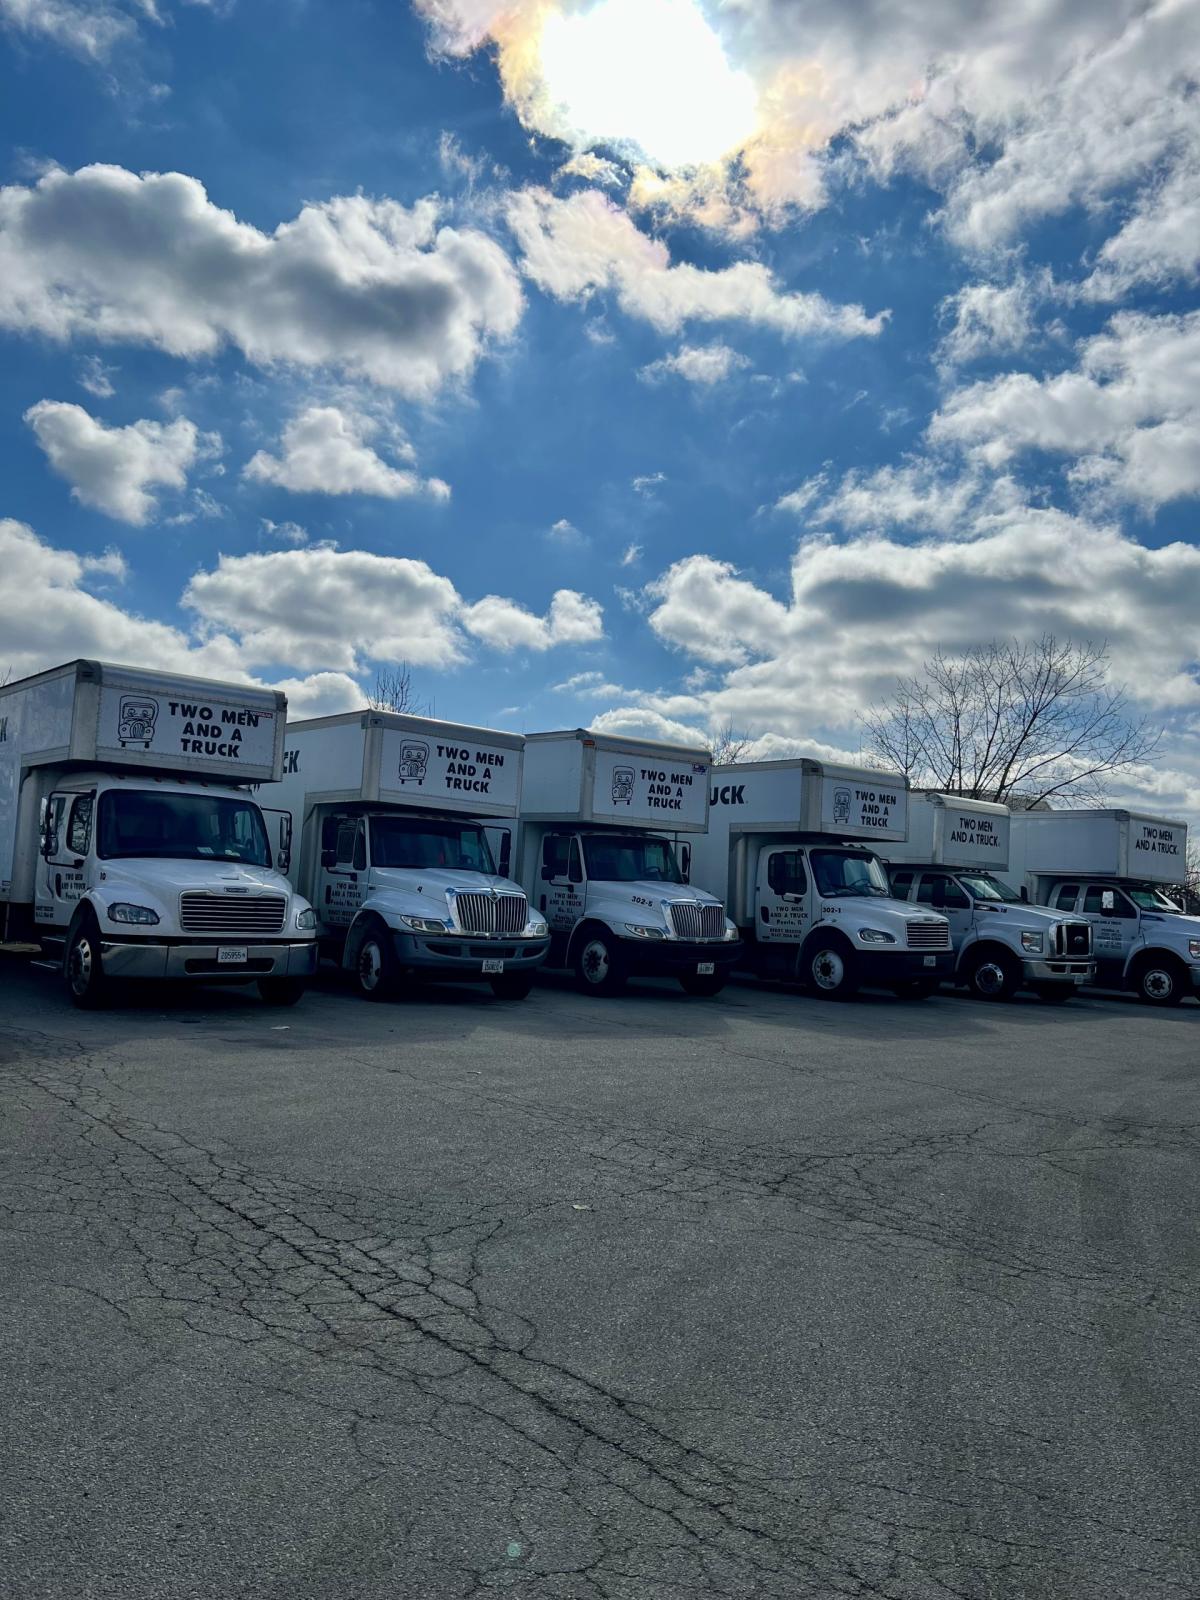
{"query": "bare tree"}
[(1191, 883), (394, 691), (1020, 723), (729, 747)]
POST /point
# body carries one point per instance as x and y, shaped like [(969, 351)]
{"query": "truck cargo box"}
[(807, 796), (946, 830), (583, 777), (1100, 844)]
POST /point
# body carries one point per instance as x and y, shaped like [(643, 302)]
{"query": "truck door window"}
[(956, 899), (556, 850), (360, 847), (1093, 902), (1065, 896), (785, 872), (575, 863), (79, 829), (344, 849), (901, 884)]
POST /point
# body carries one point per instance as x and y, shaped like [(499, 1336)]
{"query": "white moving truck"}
[(950, 861), (600, 855), (790, 846), (399, 821), (128, 846), (1110, 869)]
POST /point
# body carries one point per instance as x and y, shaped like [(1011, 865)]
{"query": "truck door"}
[(1115, 928), (343, 882), (66, 841), (562, 881), (781, 896), (943, 891)]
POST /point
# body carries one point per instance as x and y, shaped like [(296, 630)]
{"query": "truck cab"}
[(144, 876), (401, 892), (1143, 940), (619, 905)]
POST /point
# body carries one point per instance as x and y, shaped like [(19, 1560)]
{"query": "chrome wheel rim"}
[(370, 966), (990, 978), (595, 961), (1158, 984), (828, 969), (80, 967)]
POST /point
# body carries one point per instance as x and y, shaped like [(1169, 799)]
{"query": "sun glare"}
[(650, 73)]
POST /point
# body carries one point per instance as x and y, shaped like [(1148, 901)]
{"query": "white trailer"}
[(400, 822), (129, 845), (1111, 869), (791, 848), (601, 854), (955, 850)]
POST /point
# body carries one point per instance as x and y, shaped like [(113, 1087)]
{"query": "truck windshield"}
[(180, 827), (982, 886), (841, 872), (1148, 899), (630, 860), (425, 842)]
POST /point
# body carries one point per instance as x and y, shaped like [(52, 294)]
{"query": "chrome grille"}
[(928, 936), (1074, 938), (226, 913), (690, 920), (491, 913)]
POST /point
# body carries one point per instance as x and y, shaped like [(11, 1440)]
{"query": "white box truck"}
[(951, 860), (1112, 869), (404, 852), (791, 848), (129, 843), (602, 854)]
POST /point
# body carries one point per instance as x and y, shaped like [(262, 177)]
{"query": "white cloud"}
[(581, 243), (283, 532), (1160, 241), (631, 555), (1130, 412), (989, 319), (647, 482), (368, 287), (113, 469), (565, 531), (704, 365), (642, 722), (326, 450), (321, 694), (92, 30), (587, 684), (921, 496), (571, 619), (591, 168), (96, 378)]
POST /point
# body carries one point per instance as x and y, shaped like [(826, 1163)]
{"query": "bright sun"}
[(650, 73)]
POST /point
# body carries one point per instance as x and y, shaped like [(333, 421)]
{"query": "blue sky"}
[(656, 365)]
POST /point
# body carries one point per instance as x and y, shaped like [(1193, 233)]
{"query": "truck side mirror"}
[(1025, 893), (283, 856), (49, 845), (685, 862), (547, 875), (506, 854)]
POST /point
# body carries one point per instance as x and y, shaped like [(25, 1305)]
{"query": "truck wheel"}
[(1159, 981), (376, 973), (993, 975), (831, 968), (511, 985), (1055, 994), (280, 991), (703, 984), (84, 975), (599, 968)]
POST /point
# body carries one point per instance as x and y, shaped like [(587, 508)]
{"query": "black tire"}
[(83, 972), (830, 968), (1055, 994), (993, 975), (599, 964), (512, 985), (1160, 980), (916, 989), (280, 991), (704, 985), (376, 970)]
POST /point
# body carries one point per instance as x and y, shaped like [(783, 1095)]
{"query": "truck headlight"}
[(307, 918), (1033, 942), (876, 936), (423, 924), (640, 931), (1194, 949), (537, 928), (122, 911), (731, 932)]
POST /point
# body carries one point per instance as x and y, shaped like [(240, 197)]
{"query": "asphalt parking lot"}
[(631, 1300)]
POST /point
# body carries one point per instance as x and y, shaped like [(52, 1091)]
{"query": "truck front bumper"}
[(879, 969), (462, 956), (198, 959), (1072, 972), (673, 958)]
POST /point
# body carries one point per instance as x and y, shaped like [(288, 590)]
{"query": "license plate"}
[(231, 955), (493, 966), (705, 969), (931, 961)]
